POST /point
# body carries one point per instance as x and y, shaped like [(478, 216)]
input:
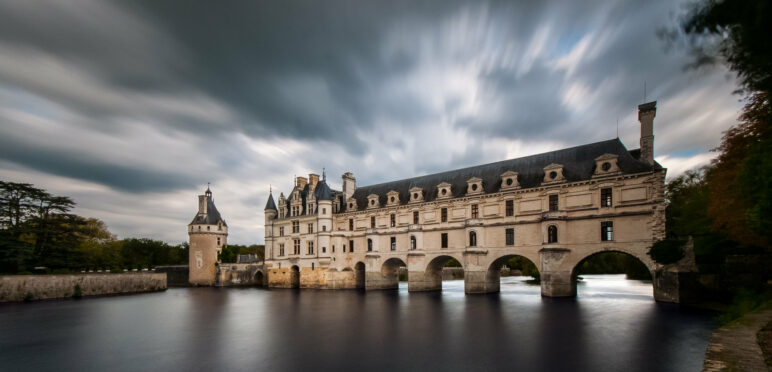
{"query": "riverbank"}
[(14, 288), (742, 344)]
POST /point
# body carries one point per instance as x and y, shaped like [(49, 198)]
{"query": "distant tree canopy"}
[(230, 252), (38, 230)]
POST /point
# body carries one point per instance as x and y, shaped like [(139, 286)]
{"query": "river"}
[(614, 324)]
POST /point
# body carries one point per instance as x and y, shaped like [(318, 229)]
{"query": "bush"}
[(76, 292), (28, 297), (667, 251)]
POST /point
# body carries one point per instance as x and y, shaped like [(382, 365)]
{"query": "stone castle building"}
[(208, 233), (555, 209)]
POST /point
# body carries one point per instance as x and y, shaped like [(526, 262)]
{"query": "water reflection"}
[(613, 325)]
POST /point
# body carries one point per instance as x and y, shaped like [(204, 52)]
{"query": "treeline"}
[(230, 252), (38, 230)]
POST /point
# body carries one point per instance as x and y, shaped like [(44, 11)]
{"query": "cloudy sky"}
[(132, 107)]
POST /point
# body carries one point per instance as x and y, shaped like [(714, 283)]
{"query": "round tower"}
[(208, 234), (270, 214)]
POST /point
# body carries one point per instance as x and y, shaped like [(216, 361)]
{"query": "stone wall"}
[(17, 287), (238, 274)]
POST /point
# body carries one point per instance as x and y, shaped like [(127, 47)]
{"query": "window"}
[(218, 241), (324, 210), (208, 228), (199, 228), (295, 227), (472, 239), (312, 265), (281, 249), (324, 249), (444, 240), (510, 234), (281, 231), (607, 231), (553, 202), (372, 222), (369, 245), (310, 248), (351, 246), (444, 214), (393, 243), (510, 208), (552, 234), (605, 197), (393, 220), (324, 227), (350, 224), (475, 213), (219, 227), (310, 228), (412, 243), (333, 249), (296, 246), (415, 217), (344, 248)]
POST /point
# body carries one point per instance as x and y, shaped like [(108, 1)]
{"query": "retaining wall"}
[(17, 287)]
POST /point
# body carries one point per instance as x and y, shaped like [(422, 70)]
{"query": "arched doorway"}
[(516, 264), (390, 273), (259, 278), (606, 271), (295, 277), (359, 273)]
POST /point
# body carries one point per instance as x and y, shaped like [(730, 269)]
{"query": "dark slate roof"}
[(578, 164), (212, 217), (322, 191), (270, 205)]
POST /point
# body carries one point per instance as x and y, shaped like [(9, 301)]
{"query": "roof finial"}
[(324, 175), (270, 189)]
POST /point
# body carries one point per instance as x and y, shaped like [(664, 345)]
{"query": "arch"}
[(645, 261), (493, 275), (433, 271), (359, 274), (259, 278), (390, 272), (552, 234), (294, 276)]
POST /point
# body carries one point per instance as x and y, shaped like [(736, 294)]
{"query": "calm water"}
[(613, 325)]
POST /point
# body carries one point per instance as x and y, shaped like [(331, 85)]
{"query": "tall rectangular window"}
[(607, 231), (351, 224), (553, 202), (310, 247), (510, 208), (310, 228), (295, 227), (475, 212), (393, 220), (444, 214), (369, 245), (281, 249), (510, 234), (444, 240), (372, 222), (605, 197), (281, 231), (393, 243), (296, 246), (350, 245), (415, 217)]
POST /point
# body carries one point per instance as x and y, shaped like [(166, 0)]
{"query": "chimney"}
[(646, 113), (302, 181), (349, 184), (313, 179), (202, 204)]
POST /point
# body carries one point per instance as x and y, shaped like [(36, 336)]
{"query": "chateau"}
[(555, 208)]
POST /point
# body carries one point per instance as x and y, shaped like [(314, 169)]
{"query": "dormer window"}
[(392, 198), (553, 173), (443, 191), (352, 204), (509, 180), (372, 201), (416, 194), (474, 185), (606, 164)]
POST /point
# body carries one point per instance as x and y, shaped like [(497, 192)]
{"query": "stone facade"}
[(555, 209), (208, 233), (39, 287)]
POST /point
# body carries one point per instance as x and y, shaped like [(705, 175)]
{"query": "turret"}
[(208, 233), (646, 113)]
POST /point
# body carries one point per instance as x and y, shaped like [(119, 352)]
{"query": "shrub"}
[(667, 251), (76, 292), (28, 297)]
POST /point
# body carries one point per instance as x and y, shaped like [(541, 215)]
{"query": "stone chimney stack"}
[(646, 113), (349, 184), (313, 179), (302, 181), (202, 204)]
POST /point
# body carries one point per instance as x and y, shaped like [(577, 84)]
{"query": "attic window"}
[(474, 187), (392, 199), (553, 174), (509, 182), (606, 166), (415, 195), (444, 191), (351, 205), (372, 202)]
